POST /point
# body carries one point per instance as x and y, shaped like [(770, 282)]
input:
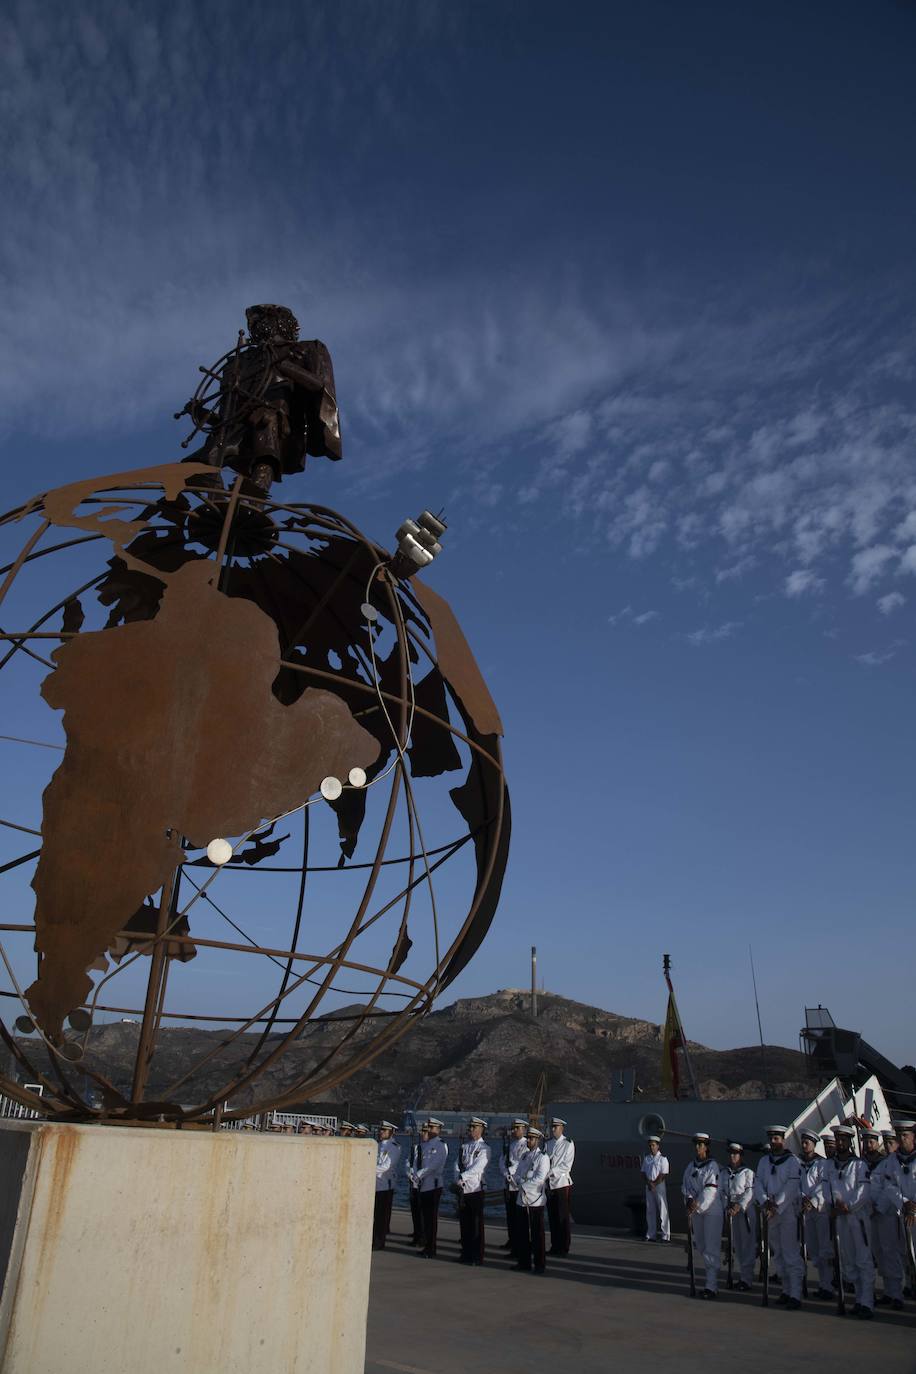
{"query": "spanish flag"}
[(674, 1041)]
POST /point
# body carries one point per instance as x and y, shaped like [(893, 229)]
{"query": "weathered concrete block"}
[(153, 1250)]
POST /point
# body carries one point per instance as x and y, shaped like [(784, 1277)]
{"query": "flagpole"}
[(666, 966)]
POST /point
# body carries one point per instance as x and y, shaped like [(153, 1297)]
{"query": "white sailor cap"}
[(809, 1135), (701, 1135), (387, 1126), (346, 1125), (520, 1121), (434, 1121), (870, 1133), (889, 1135), (826, 1135), (557, 1121), (656, 1138), (906, 1125), (735, 1147), (846, 1131), (362, 1127), (533, 1130), (777, 1130), (477, 1121)]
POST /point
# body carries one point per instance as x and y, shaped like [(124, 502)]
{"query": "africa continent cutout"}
[(172, 730)]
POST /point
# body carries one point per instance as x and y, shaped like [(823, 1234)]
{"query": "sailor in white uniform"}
[(514, 1148), (847, 1189), (777, 1192), (430, 1176), (700, 1188), (386, 1167), (471, 1167), (898, 1192), (531, 1196), (873, 1156), (561, 1153), (736, 1194), (887, 1227), (655, 1172), (815, 1213), (414, 1161)]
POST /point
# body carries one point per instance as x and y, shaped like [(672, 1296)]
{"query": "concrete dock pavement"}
[(614, 1298)]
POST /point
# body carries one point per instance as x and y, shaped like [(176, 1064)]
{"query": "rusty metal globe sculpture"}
[(239, 741)]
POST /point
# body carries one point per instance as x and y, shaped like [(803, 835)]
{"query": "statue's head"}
[(271, 322)]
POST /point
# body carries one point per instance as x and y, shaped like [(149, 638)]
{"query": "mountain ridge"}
[(477, 1052)]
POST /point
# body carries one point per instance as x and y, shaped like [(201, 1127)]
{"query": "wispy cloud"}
[(713, 634), (875, 658), (891, 602), (801, 582), (645, 617)]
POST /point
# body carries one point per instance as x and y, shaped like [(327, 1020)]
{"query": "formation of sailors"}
[(537, 1178), (850, 1216)]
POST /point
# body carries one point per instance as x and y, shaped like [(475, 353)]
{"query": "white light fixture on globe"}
[(331, 789), (357, 777), (219, 852)]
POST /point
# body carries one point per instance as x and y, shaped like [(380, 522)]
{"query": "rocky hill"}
[(478, 1052)]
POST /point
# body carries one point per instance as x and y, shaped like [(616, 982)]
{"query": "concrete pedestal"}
[(142, 1250)]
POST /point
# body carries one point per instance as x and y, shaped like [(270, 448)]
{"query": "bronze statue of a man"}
[(275, 401)]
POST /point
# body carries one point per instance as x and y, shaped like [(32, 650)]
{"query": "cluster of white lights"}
[(220, 851)]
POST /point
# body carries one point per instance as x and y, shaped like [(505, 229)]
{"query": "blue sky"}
[(628, 290)]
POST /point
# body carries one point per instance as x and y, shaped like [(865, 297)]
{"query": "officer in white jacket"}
[(815, 1212), (847, 1189), (736, 1194), (700, 1188), (386, 1167), (561, 1153), (655, 1172), (414, 1160), (471, 1167), (531, 1196), (430, 1178), (514, 1149), (777, 1192), (897, 1199)]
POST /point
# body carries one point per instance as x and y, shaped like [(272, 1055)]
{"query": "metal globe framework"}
[(178, 710)]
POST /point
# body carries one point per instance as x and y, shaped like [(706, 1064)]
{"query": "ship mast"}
[(681, 1040)]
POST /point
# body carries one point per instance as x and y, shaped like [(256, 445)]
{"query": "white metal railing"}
[(265, 1121), (15, 1111)]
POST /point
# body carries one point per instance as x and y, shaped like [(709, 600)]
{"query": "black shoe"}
[(897, 1304), (523, 1268), (477, 1263), (792, 1304), (707, 1295), (865, 1314), (825, 1295), (783, 1299), (507, 1246), (743, 1287), (541, 1270), (857, 1309), (883, 1301)]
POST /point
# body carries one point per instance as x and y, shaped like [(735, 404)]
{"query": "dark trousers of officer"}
[(381, 1218), (512, 1220), (416, 1217), (470, 1222), (429, 1219), (530, 1238), (558, 1212)]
